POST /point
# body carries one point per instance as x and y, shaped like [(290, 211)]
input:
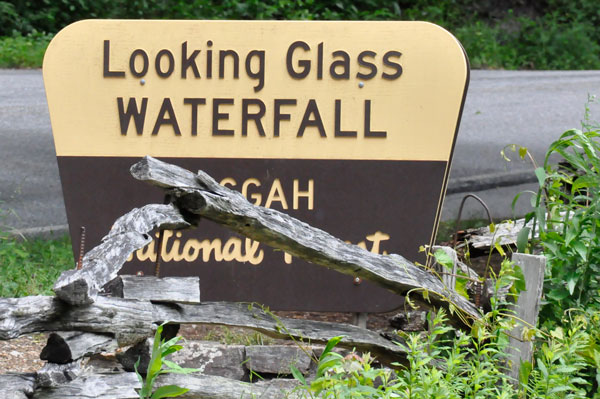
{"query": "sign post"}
[(348, 126)]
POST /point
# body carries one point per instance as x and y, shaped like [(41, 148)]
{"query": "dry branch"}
[(131, 321), (202, 195), (101, 265)]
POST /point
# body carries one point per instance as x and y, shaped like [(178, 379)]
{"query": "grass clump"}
[(31, 266)]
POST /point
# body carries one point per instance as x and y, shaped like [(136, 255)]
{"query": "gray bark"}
[(65, 346), (527, 309), (100, 265), (410, 321), (99, 386), (202, 195), (276, 359), (128, 320), (54, 375), (20, 316), (245, 315), (213, 358), (123, 385), (504, 234), (131, 321), (213, 387), (164, 289), (17, 386)]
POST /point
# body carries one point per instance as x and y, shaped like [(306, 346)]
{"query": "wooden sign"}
[(348, 126)]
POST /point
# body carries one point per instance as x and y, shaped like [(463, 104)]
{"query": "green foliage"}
[(31, 266), (23, 51), (448, 363), (159, 365), (567, 214), (567, 362), (514, 34)]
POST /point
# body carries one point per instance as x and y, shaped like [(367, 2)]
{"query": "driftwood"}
[(244, 315), (214, 358), (276, 359), (20, 316), (65, 346), (505, 233), (17, 386), (54, 375), (213, 387), (123, 385), (164, 289), (128, 320), (200, 194), (131, 321), (411, 321), (101, 386), (85, 321), (101, 265)]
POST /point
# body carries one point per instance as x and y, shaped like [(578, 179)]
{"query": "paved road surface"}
[(503, 107)]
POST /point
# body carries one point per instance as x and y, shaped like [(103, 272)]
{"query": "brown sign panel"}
[(348, 126)]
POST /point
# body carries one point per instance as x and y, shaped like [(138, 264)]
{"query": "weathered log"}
[(213, 387), (20, 316), (131, 321), (202, 195), (213, 358), (123, 385), (128, 320), (410, 321), (101, 265), (54, 375), (64, 347), (17, 386), (99, 386), (505, 233), (210, 358), (276, 359), (165, 289), (249, 316)]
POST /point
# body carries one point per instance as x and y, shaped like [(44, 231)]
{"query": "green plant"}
[(31, 266), (513, 34), (159, 365), (351, 376), (445, 362), (560, 365), (23, 51), (566, 215)]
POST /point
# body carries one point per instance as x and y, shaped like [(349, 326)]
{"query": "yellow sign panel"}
[(255, 89)]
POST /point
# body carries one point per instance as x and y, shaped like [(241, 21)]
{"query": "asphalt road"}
[(503, 107)]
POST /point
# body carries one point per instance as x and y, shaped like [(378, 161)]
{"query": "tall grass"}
[(31, 266)]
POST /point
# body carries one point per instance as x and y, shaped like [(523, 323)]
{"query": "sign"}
[(348, 126)]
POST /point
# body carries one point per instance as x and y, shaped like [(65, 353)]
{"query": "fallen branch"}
[(131, 321), (101, 265), (202, 195)]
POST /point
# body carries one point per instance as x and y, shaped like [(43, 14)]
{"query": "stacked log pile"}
[(96, 312)]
